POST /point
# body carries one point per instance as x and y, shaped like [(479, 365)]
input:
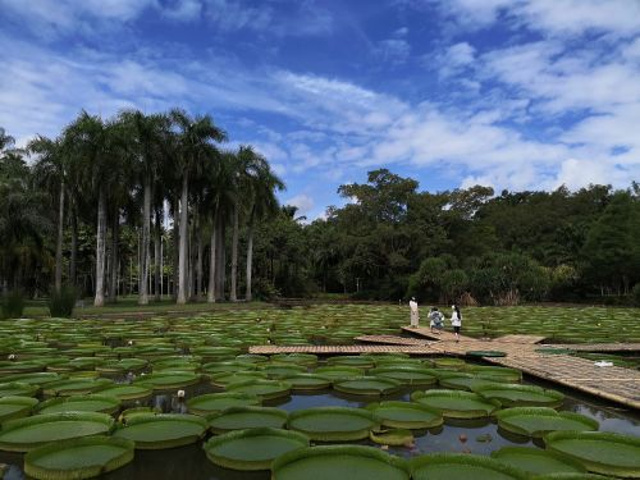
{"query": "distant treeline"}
[(151, 205)]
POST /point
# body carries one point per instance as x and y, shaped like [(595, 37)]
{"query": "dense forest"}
[(154, 206)]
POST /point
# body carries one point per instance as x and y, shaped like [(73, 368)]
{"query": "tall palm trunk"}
[(58, 280), (233, 295), (74, 248), (113, 268), (176, 246), (220, 260), (157, 252), (248, 295), (182, 258), (145, 257), (100, 248), (199, 265), (211, 290)]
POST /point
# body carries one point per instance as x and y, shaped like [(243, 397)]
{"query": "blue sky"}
[(517, 94)]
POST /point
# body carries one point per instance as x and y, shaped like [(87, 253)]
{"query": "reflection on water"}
[(463, 436)]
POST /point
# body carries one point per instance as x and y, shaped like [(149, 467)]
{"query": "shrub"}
[(13, 304), (61, 304)]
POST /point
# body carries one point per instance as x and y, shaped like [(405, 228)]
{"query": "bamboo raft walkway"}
[(524, 352)]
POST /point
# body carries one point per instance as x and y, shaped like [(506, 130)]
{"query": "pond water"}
[(463, 436)]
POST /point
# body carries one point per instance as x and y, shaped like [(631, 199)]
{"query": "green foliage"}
[(61, 304), (13, 304), (635, 294)]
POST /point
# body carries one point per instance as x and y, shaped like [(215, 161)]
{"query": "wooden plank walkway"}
[(533, 339), (620, 385)]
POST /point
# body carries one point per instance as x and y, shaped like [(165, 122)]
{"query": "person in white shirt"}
[(456, 321), (415, 317)]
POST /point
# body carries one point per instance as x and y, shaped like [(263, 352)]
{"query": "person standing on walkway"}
[(456, 321), (415, 317), (435, 320)]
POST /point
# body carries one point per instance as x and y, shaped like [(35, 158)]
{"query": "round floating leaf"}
[(84, 403), (75, 386), (536, 461), (337, 372), (333, 424), (340, 462), (253, 449), (456, 466), (267, 389), (241, 418), (124, 365), (520, 395), (407, 375), (600, 452), (137, 412), (274, 370), (18, 389), (24, 434), (168, 380), (398, 437), (406, 415), (216, 402), (78, 459), (16, 407), (367, 386), (126, 392), (450, 363), (536, 421), (34, 378), (308, 381), (456, 403), (306, 359), (156, 432), (224, 379), (352, 361), (496, 374)]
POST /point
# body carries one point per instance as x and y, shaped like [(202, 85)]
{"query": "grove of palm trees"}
[(135, 204)]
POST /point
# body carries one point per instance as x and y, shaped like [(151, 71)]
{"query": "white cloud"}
[(555, 17), (454, 59), (184, 10), (393, 50), (304, 203)]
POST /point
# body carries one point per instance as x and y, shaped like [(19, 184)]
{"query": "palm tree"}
[(97, 146), (261, 185), (6, 141), (195, 137), (148, 134), (50, 170)]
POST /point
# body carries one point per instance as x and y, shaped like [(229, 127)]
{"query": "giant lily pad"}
[(398, 437), (75, 386), (520, 395), (84, 403), (536, 421), (303, 382), (18, 389), (333, 424), (456, 403), (339, 372), (79, 458), (600, 452), (536, 461), (267, 389), (16, 407), (216, 402), (169, 380), (126, 392), (24, 434), (367, 385), (345, 461), (253, 449), (296, 358), (241, 418), (224, 379), (406, 415), (455, 466), (352, 361), (156, 432), (407, 375)]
